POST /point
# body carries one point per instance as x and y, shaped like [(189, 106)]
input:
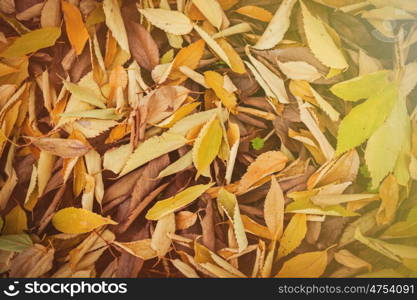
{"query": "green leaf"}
[(385, 144), (32, 42), (257, 143), (15, 242), (361, 87), (365, 118)]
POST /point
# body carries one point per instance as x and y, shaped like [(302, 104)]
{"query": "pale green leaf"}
[(385, 144), (359, 87), (365, 118)]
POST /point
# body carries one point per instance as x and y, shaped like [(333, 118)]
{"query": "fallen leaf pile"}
[(208, 138)]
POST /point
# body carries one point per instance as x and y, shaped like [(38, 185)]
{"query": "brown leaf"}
[(142, 46), (33, 262)]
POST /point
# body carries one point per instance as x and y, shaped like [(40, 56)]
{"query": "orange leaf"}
[(255, 12), (189, 56), (76, 31), (234, 58), (266, 164)]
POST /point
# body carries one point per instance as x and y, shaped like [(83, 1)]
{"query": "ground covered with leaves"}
[(208, 138)]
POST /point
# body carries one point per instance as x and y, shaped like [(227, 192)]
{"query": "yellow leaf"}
[(293, 235), (180, 113), (153, 148), (213, 44), (189, 56), (76, 31), (85, 94), (45, 165), (180, 164), (256, 228), (207, 145), (77, 220), (299, 70), (93, 162), (278, 26), (214, 263), (171, 204), (170, 21), (32, 42), (321, 42), (272, 84), (216, 81), (236, 62), (212, 10), (230, 206), (32, 193), (184, 268), (15, 221), (306, 265), (107, 114), (183, 126), (114, 21), (6, 69), (255, 12), (266, 164), (160, 237), (141, 248), (389, 192), (79, 177), (274, 209), (87, 200), (233, 138), (227, 4), (232, 30)]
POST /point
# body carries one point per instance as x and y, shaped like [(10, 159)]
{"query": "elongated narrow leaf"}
[(278, 26), (229, 204), (207, 145), (169, 205)]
